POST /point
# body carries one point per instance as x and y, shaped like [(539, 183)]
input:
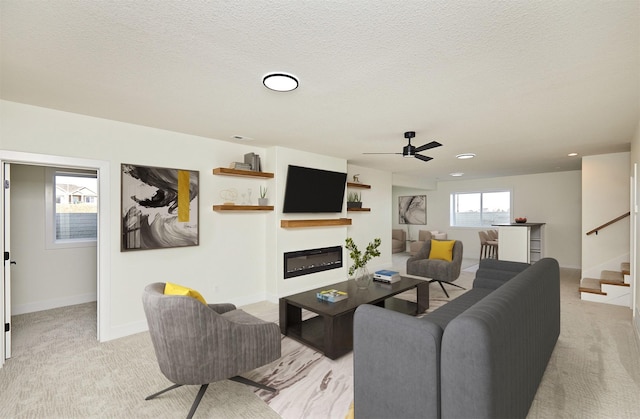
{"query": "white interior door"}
[(6, 277)]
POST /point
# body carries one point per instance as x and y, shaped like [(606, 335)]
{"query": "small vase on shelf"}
[(263, 202)]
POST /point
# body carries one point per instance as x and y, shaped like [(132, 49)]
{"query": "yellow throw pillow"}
[(174, 289), (442, 249)]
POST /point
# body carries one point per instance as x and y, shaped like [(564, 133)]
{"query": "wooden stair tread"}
[(618, 283), (591, 285), (592, 290), (612, 276), (625, 267)]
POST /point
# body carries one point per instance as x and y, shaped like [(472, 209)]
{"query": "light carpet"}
[(59, 370), (594, 371)]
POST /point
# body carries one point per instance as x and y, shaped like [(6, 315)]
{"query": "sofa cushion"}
[(493, 273), (443, 315)]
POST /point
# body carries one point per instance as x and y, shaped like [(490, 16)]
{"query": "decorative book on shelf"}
[(332, 295)]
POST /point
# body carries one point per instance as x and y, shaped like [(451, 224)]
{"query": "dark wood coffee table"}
[(331, 331)]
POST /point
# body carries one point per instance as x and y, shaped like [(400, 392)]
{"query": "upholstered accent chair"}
[(423, 236), (398, 240), (198, 344), (437, 270)]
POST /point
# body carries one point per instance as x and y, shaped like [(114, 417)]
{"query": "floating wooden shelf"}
[(359, 209), (235, 172), (358, 185), (315, 223), (243, 207)]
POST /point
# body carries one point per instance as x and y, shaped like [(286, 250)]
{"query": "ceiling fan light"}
[(280, 82), (408, 151)]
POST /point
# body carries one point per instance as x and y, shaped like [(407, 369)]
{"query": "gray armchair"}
[(423, 236), (437, 270), (398, 241), (200, 344)]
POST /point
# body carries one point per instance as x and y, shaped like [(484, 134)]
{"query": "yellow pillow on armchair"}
[(442, 249), (175, 289)]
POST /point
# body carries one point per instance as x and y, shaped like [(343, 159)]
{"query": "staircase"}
[(613, 287)]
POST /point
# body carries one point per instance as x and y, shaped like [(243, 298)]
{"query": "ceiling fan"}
[(411, 150)]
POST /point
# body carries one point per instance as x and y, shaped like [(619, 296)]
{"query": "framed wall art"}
[(412, 209), (159, 207)]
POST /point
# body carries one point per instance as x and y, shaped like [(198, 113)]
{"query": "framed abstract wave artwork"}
[(159, 207), (412, 209)]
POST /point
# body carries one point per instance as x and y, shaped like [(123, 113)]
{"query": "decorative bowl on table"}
[(521, 220)]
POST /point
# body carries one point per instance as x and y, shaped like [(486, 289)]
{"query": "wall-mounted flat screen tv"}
[(313, 190)]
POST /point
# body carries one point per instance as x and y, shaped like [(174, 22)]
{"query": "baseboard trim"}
[(126, 330), (133, 328), (18, 309)]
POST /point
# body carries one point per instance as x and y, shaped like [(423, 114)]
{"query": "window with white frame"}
[(480, 209), (72, 207)]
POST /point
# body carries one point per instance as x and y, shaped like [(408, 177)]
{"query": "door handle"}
[(13, 262)]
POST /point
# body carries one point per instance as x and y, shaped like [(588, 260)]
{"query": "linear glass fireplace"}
[(304, 262)]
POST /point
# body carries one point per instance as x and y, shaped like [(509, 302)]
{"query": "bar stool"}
[(488, 247)]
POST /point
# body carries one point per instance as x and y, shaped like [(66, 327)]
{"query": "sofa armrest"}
[(495, 353), (222, 308), (396, 365)]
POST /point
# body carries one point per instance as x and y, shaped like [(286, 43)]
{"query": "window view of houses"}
[(76, 207)]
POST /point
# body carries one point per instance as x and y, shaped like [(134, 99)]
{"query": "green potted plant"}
[(263, 200), (354, 200), (358, 269)]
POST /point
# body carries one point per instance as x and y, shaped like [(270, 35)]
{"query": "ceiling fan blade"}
[(423, 158), (381, 153), (432, 144)]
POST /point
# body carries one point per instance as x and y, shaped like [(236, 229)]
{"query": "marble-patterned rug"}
[(311, 385), (594, 371)]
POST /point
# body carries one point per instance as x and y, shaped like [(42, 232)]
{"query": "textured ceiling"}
[(519, 83)]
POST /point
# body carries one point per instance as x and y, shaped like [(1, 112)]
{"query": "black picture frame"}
[(159, 207), (412, 209)]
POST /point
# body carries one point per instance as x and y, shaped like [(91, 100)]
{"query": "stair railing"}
[(608, 223)]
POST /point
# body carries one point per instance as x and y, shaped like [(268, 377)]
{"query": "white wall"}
[(413, 230), (43, 278), (228, 265), (365, 225), (551, 198), (605, 196), (635, 159), (240, 253)]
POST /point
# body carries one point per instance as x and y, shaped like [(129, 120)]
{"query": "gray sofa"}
[(481, 355)]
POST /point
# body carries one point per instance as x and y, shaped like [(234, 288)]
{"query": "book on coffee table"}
[(386, 276), (332, 295)]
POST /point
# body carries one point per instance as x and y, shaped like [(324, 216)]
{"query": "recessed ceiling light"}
[(280, 82), (572, 154), (456, 174), (241, 138), (464, 156)]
